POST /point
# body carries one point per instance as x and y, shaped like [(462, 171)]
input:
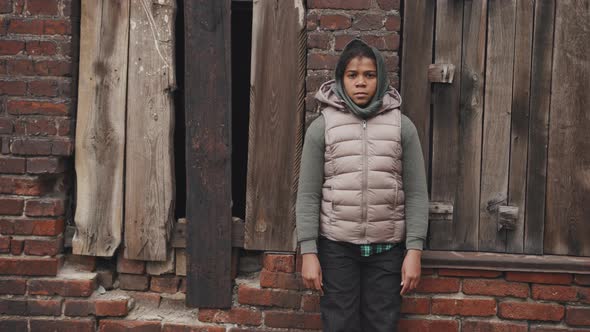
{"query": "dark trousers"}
[(360, 293)]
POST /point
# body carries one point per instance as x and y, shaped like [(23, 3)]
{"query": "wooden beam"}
[(208, 152)]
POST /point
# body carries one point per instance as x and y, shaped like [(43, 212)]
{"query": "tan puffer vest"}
[(363, 198)]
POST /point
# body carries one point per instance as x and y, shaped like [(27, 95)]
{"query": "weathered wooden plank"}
[(445, 124), (277, 95), (568, 171), (208, 152), (466, 203), (496, 129), (418, 34), (520, 121), (180, 262), (539, 126), (158, 268), (149, 176), (100, 127), (180, 233)]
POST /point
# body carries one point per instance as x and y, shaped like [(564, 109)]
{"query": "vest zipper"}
[(365, 180)]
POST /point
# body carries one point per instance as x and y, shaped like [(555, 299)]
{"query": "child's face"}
[(360, 80)]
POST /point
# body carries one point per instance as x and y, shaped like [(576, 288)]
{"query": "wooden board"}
[(208, 152), (542, 54), (418, 34), (520, 121), (496, 129), (164, 267), (100, 127), (277, 112), (445, 123), (149, 176), (466, 204), (568, 171)]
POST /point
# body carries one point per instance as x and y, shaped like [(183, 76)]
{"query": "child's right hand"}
[(311, 272)]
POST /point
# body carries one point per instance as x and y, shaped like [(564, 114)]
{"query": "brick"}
[(36, 47), (30, 186), (12, 165), (36, 127), (62, 148), (107, 325), (42, 7), (280, 280), (438, 285), (29, 266), (5, 8), (279, 263), (469, 273), (11, 206), (531, 311), (65, 127), (19, 67), (415, 305), (6, 126), (45, 165), (13, 286), (11, 47), (43, 88), (335, 22), (388, 42), (130, 266), (63, 287), (45, 207), (36, 307), (43, 247), (57, 27), (495, 288), (82, 263), (52, 68), (318, 40), (582, 279), (147, 299), (292, 320), (583, 294), (111, 307), (267, 297), (389, 4), (554, 293), (368, 21), (310, 302), (312, 21), (16, 246), (44, 325), (5, 244), (554, 328), (540, 278), (182, 287), (321, 61), (393, 23), (75, 307), (104, 278), (339, 4), (17, 307), (31, 147), (243, 316), (13, 324), (26, 27), (42, 227), (26, 107), (13, 88), (464, 307), (133, 282), (164, 284), (428, 325), (171, 327), (477, 326), (578, 316)]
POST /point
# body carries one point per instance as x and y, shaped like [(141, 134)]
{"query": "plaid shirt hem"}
[(375, 248)]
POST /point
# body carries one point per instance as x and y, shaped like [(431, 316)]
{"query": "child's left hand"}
[(411, 271)]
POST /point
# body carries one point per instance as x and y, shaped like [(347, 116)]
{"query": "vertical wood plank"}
[(149, 176), (445, 123), (208, 152), (277, 112), (520, 121), (418, 34), (539, 126), (466, 204), (568, 172), (100, 127), (496, 130)]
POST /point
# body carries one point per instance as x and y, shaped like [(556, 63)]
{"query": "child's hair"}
[(354, 49)]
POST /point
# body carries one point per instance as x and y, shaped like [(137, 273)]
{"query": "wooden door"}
[(503, 177)]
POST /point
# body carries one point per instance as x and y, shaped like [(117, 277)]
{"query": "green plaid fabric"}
[(375, 248)]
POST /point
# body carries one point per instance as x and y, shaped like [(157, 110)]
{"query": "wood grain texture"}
[(149, 176), (277, 112), (497, 117), (208, 152), (445, 122), (542, 55), (418, 34), (100, 127), (466, 205), (568, 171), (520, 121)]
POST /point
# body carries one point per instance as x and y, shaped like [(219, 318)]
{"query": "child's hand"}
[(311, 272), (411, 270)]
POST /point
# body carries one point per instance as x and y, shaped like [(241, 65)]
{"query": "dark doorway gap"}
[(179, 120)]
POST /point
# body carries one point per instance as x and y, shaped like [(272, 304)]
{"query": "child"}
[(355, 206)]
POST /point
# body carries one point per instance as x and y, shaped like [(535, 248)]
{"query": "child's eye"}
[(351, 75), (371, 75)]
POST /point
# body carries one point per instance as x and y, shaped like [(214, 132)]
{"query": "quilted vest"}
[(363, 197)]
